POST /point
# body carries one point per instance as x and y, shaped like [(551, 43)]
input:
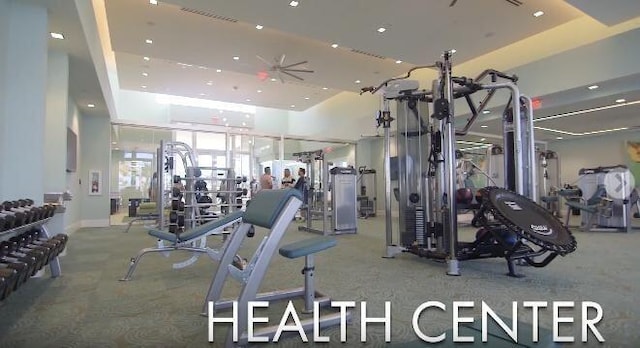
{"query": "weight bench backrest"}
[(267, 205)]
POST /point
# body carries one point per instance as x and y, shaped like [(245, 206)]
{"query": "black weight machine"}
[(367, 184), (513, 225)]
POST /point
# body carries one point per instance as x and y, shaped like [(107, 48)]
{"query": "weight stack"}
[(419, 226)]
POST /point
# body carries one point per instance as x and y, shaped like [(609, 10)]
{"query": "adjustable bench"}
[(194, 240), (273, 210)]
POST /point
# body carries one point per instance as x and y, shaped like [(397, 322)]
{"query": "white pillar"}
[(23, 74)]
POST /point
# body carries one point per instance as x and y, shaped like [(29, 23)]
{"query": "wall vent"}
[(367, 54), (209, 14)]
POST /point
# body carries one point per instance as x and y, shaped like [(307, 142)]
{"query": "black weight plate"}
[(175, 204), (529, 220)]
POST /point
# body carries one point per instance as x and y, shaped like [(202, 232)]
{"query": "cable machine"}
[(513, 225)]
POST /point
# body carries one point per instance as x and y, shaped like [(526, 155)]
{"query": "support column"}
[(23, 74)]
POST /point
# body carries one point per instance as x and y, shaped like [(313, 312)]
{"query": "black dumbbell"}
[(180, 206), (176, 193), (22, 270), (176, 179), (174, 204), (7, 256), (180, 220), (34, 237), (173, 217), (62, 238), (14, 206), (10, 279), (173, 229), (12, 248), (17, 218), (24, 246)]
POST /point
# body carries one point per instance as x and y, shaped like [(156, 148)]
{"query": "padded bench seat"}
[(198, 231), (307, 247)]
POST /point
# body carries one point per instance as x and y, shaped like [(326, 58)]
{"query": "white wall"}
[(590, 152), (72, 215), (95, 142)]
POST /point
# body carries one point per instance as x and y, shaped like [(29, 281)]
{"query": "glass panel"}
[(185, 137), (205, 161), (210, 141)]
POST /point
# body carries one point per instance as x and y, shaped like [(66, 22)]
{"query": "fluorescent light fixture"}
[(335, 45), (306, 98), (484, 126), (559, 138), (293, 106), (259, 91), (57, 36), (621, 100), (592, 87), (398, 61), (583, 133), (469, 142), (483, 146), (210, 83), (357, 81), (218, 70), (204, 103), (153, 2), (293, 3), (538, 13), (585, 111), (486, 111), (259, 27), (145, 74), (91, 105), (324, 88), (605, 131), (146, 58), (236, 58), (382, 29), (149, 41)]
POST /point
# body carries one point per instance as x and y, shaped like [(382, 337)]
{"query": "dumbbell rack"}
[(41, 224)]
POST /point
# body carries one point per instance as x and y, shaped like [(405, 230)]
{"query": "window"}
[(185, 137), (211, 141)]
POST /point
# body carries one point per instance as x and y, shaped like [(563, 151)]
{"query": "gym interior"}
[(340, 173)]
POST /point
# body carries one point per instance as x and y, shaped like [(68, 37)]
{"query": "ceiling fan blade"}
[(298, 70), (292, 75), (295, 64), (264, 61), (453, 3), (282, 59)]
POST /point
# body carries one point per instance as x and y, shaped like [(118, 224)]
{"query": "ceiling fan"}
[(512, 2), (281, 68)]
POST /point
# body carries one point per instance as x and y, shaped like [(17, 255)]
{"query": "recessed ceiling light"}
[(149, 41), (325, 88), (116, 148), (145, 74), (453, 51), (398, 61), (538, 13), (224, 119), (248, 99), (382, 29), (293, 3), (226, 125), (306, 98), (146, 58), (486, 111), (559, 138), (293, 105), (244, 124), (210, 83), (357, 81), (247, 116), (592, 87), (335, 45), (202, 94), (218, 70), (483, 139), (114, 142), (259, 91), (143, 86), (484, 126), (236, 58), (259, 27), (91, 106), (621, 100), (273, 80), (153, 2), (57, 36)]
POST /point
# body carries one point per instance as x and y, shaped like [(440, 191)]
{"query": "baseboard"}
[(69, 230), (95, 223)]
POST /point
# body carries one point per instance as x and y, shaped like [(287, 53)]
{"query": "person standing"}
[(266, 180), (288, 180)]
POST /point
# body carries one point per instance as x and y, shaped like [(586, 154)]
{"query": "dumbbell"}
[(23, 245), (41, 212), (34, 237), (176, 179), (22, 271), (176, 193), (173, 229), (9, 278), (14, 219), (7, 256), (14, 206), (180, 220), (13, 248), (63, 238)]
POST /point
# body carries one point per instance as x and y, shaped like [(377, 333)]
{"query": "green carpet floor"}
[(89, 307)]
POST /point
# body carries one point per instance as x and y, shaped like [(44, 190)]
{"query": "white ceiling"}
[(189, 47)]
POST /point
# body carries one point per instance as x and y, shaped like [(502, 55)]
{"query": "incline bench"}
[(194, 240)]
